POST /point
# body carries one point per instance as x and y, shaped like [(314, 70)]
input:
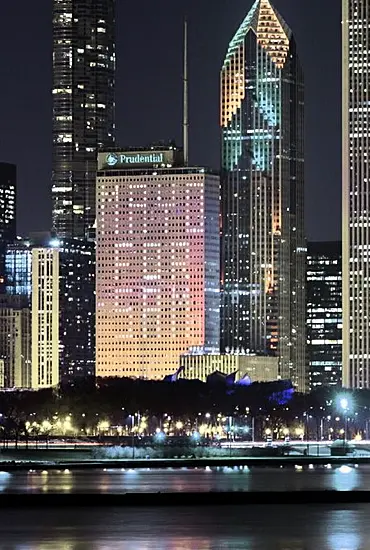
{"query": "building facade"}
[(8, 186), (83, 107), (76, 309), (157, 258), (15, 342), (45, 317), (263, 249), (324, 313), (18, 268), (355, 194), (257, 369)]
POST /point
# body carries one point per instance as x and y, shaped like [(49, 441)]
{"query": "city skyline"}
[(34, 159)]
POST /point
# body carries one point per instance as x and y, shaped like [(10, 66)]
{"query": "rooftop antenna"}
[(186, 97)]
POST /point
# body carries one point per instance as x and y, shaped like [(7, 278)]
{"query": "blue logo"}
[(112, 159)]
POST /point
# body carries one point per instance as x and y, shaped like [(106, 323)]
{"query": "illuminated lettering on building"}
[(120, 160)]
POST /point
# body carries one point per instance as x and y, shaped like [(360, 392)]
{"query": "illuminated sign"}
[(133, 159)]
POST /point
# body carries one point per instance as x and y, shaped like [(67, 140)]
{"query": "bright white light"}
[(345, 470), (344, 403)]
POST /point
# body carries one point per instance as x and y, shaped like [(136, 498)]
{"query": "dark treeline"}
[(116, 398)]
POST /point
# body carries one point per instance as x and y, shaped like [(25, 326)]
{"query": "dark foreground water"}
[(232, 528), (119, 481)]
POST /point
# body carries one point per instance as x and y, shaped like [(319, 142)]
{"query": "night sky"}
[(149, 91)]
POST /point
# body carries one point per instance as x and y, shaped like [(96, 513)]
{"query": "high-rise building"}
[(324, 313), (356, 193), (76, 301), (8, 185), (45, 317), (15, 342), (83, 107), (76, 308), (263, 249), (157, 262)]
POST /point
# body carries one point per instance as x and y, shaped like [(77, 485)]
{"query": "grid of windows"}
[(8, 178), (157, 275), (263, 250), (324, 313), (45, 317), (83, 107), (356, 194), (15, 342)]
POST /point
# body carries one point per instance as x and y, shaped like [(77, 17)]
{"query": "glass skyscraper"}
[(356, 193), (83, 107), (263, 249)]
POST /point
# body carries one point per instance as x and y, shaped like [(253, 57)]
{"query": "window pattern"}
[(15, 342), (45, 318), (83, 107), (324, 313), (157, 270), (8, 182), (262, 192), (76, 309), (356, 194)]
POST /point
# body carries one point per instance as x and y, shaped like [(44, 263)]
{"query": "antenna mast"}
[(186, 102)]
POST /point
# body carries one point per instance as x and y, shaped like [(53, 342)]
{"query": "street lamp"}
[(344, 405), (132, 416)]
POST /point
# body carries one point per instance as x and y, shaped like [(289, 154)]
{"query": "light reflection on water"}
[(228, 528), (345, 478)]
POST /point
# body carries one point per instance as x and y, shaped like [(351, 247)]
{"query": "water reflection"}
[(347, 530), (4, 480), (345, 479), (229, 528)]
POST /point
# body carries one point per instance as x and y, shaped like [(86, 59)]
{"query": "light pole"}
[(344, 405), (133, 435)]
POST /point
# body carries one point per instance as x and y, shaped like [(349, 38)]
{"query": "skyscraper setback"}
[(83, 107), (262, 194), (356, 194)]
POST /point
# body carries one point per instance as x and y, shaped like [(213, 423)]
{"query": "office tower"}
[(324, 313), (76, 308), (157, 258), (263, 250), (8, 185), (83, 107), (45, 317), (15, 342), (76, 296), (355, 194)]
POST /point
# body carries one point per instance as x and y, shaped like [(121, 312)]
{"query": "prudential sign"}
[(133, 159)]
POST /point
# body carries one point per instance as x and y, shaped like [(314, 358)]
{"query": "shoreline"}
[(98, 500), (175, 463)]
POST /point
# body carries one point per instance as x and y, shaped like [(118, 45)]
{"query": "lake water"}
[(218, 479), (229, 528)]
